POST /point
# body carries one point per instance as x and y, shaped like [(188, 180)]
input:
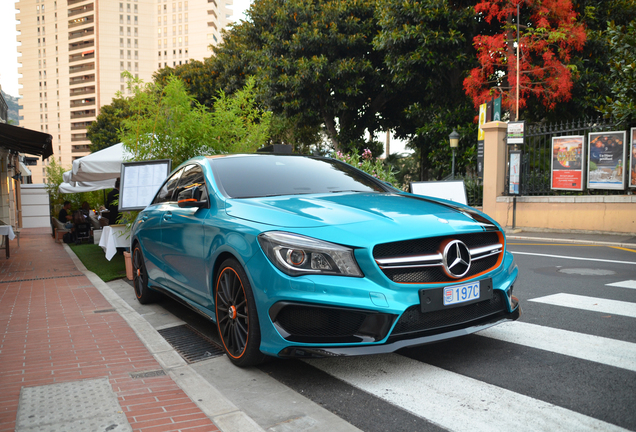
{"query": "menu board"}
[(140, 181)]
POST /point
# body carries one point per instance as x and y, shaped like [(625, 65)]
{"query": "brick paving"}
[(55, 326)]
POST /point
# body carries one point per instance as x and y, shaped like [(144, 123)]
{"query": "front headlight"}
[(299, 255)]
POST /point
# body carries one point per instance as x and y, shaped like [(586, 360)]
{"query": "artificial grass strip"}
[(94, 258)]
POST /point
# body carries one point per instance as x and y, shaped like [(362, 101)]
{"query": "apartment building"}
[(74, 51)]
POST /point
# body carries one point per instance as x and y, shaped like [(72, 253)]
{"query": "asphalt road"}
[(568, 364)]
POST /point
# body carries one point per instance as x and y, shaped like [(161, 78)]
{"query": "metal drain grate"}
[(190, 344)]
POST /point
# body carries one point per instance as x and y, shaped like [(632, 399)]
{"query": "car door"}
[(149, 233), (183, 240)]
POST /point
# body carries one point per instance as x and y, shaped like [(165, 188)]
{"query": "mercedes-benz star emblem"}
[(456, 259)]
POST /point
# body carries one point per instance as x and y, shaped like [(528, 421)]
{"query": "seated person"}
[(86, 209), (64, 215), (81, 227)]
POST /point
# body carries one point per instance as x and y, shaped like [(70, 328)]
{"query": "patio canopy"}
[(100, 165), (77, 187), (26, 140)]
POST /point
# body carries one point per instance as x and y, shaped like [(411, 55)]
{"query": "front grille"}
[(414, 321), (317, 322), (434, 272)]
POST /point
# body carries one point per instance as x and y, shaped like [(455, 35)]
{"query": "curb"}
[(581, 241), (225, 415)]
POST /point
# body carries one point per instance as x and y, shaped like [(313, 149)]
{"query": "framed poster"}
[(566, 171), (514, 173), (606, 160), (632, 148), (140, 181)]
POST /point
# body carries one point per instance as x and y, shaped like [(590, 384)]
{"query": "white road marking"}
[(624, 284), (574, 258), (451, 400), (612, 307), (598, 349)]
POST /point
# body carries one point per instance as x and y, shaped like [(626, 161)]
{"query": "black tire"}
[(236, 315), (140, 277)]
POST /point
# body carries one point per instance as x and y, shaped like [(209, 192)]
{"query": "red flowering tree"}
[(548, 33)]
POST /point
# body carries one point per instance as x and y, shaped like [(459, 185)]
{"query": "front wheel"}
[(140, 277), (236, 315)]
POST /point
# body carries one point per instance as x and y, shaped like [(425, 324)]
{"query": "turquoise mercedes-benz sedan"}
[(298, 256)]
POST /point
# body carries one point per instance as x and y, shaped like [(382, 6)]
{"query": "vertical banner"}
[(480, 159), (482, 120), (488, 111), (606, 160), (496, 109), (515, 172), (567, 163), (632, 175)]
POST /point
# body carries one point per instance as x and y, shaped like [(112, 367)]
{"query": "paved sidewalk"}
[(625, 240), (69, 361)]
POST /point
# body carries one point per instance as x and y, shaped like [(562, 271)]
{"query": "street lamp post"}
[(454, 142)]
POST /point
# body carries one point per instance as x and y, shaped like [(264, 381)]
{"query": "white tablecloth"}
[(7, 230), (114, 236)]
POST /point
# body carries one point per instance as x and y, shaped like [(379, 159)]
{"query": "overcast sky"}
[(8, 43)]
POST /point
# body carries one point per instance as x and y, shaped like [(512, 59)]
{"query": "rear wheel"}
[(140, 277), (236, 315)]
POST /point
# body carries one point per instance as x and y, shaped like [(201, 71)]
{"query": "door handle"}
[(167, 216)]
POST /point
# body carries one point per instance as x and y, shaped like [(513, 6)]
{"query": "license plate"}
[(460, 293)]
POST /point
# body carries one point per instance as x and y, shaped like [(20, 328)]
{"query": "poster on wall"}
[(567, 163), (632, 172), (606, 160), (515, 173)]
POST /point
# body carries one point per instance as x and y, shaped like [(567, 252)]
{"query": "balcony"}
[(82, 102), (80, 125), (86, 55), (80, 148), (72, 2), (81, 68), (82, 114), (82, 91), (81, 33), (80, 10), (78, 137), (81, 21), (81, 79), (83, 45)]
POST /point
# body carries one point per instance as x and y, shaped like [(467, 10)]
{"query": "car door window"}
[(166, 192), (192, 176)]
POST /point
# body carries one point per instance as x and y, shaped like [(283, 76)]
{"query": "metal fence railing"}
[(537, 155)]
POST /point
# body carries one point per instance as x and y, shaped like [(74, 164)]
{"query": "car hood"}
[(377, 214)]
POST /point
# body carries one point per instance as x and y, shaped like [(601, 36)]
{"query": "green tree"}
[(621, 104), (314, 60), (428, 46), (104, 131), (167, 122)]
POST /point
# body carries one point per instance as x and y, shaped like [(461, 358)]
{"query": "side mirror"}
[(193, 196)]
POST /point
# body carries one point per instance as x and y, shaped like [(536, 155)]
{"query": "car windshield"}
[(250, 176)]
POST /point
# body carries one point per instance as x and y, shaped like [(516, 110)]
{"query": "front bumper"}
[(388, 314), (396, 343)]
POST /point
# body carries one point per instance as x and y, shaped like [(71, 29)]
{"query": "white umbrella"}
[(100, 165), (77, 187)]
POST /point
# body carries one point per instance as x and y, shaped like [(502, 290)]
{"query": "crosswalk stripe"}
[(612, 307), (598, 349), (453, 401), (624, 284)]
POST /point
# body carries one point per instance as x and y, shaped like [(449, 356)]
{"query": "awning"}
[(26, 140)]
